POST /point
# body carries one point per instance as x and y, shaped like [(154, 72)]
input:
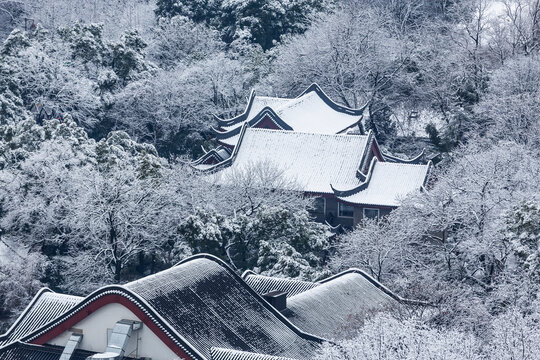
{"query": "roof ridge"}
[(374, 282), (62, 295), (303, 132), (314, 87)]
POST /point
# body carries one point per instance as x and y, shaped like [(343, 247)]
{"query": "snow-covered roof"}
[(196, 305), (210, 306), (44, 307), (310, 162), (228, 354), (264, 284), (387, 184), (326, 310), (204, 310), (312, 111), (230, 141)]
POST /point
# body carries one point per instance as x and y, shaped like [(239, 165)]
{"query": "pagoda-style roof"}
[(209, 305), (349, 166), (386, 184), (310, 161), (326, 310), (312, 111), (201, 309)]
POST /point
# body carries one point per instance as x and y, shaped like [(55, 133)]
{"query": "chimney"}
[(277, 299)]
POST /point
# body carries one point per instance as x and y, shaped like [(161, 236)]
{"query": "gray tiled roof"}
[(263, 284), (210, 306), (228, 354), (44, 307), (326, 310)]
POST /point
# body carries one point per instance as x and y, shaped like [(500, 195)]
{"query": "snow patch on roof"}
[(390, 183), (312, 162), (307, 113)]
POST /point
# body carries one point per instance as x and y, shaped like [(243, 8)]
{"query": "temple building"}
[(199, 309), (321, 150), (312, 111)]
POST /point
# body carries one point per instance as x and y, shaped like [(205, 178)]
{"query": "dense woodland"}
[(102, 193)]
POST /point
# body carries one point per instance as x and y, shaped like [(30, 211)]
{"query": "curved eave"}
[(340, 193), (337, 107), (239, 118), (266, 111), (418, 159), (120, 295), (208, 154)]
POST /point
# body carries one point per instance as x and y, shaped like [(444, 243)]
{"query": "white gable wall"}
[(94, 328)]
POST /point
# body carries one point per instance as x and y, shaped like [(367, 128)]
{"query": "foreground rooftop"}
[(198, 309)]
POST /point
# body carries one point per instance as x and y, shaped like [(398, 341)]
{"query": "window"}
[(371, 213), (319, 205), (345, 210)]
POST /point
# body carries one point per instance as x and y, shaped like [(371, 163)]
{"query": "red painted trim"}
[(375, 149), (99, 303), (266, 123)]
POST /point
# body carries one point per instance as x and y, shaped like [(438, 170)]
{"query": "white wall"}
[(94, 328)]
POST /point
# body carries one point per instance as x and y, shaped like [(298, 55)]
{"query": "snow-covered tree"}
[(260, 21), (511, 107), (179, 40), (20, 278), (514, 335), (523, 233), (374, 246), (271, 240), (387, 337)]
